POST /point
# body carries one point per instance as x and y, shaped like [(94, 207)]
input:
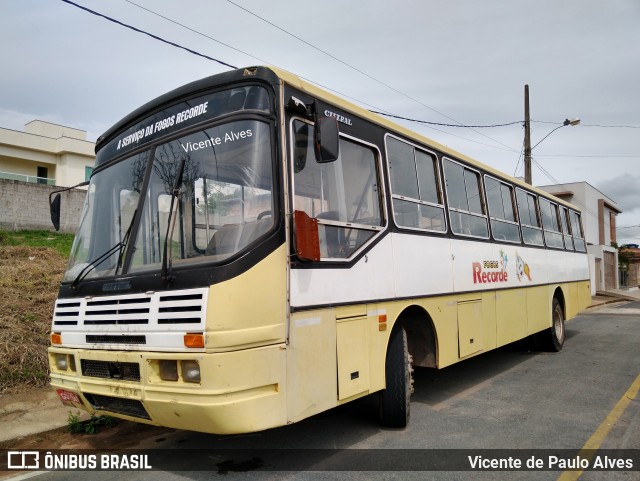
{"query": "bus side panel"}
[(584, 296), (311, 364), (511, 315), (539, 300)]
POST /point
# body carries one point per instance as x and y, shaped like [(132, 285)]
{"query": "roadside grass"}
[(31, 267), (38, 238)]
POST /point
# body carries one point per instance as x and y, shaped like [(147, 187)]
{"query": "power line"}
[(555, 181), (591, 125), (155, 37), (447, 125), (378, 111), (612, 126), (196, 31), (242, 51), (592, 156), (360, 71)]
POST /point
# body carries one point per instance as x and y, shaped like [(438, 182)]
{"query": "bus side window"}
[(466, 209), (416, 195), (529, 218), (552, 234), (578, 235), (502, 216), (566, 228)]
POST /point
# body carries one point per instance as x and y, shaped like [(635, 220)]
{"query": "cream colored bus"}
[(254, 250)]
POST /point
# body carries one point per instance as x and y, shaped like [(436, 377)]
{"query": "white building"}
[(599, 221), (46, 153)]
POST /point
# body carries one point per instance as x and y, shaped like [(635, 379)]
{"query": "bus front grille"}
[(115, 339), (126, 371), (128, 407)]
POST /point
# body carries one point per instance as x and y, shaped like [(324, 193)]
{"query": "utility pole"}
[(527, 137)]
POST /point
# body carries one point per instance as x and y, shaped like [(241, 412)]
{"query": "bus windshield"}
[(223, 204)]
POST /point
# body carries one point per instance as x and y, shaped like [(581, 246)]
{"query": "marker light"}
[(190, 371), (56, 338), (194, 340)]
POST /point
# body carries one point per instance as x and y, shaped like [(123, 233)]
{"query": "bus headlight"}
[(190, 371), (168, 370), (62, 362)]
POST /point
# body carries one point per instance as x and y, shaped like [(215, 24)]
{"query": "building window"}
[(42, 175), (612, 226)]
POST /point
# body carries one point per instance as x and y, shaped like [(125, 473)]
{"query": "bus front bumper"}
[(238, 391)]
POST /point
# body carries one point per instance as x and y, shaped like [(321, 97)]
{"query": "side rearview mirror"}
[(54, 204), (326, 139), (54, 209)]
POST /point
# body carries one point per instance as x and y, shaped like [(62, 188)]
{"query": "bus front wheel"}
[(552, 339), (395, 398)]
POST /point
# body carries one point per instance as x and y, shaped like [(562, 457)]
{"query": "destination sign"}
[(182, 115)]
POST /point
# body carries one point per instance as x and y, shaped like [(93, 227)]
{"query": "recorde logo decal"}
[(491, 271)]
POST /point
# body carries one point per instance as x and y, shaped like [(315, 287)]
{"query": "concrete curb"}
[(36, 411)]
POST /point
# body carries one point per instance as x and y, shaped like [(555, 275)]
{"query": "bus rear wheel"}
[(552, 339), (395, 398)]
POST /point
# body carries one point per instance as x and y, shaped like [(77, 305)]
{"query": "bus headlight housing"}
[(190, 371), (168, 370), (62, 362)]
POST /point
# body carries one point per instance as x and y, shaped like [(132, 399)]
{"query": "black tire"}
[(395, 398), (552, 339)]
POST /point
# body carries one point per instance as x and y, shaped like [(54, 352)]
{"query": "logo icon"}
[(23, 460), (522, 268)]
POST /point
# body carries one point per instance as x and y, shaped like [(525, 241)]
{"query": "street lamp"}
[(527, 135), (564, 124)]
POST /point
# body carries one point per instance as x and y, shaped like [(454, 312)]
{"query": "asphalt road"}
[(506, 399)]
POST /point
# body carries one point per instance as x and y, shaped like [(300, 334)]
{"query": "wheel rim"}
[(558, 324)]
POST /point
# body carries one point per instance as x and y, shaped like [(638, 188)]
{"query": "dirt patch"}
[(123, 435), (29, 282)]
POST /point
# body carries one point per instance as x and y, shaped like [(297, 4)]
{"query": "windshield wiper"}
[(103, 257), (165, 272)]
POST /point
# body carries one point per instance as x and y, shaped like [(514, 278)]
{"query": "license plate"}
[(68, 397)]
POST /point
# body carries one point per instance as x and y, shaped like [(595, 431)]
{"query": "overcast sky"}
[(448, 61)]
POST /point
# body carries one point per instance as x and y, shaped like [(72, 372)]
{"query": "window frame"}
[(567, 223), (573, 235), (558, 220), (514, 206), (382, 195), (539, 227), (439, 186), (483, 204)]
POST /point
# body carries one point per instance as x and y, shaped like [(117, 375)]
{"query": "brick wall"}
[(26, 206)]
